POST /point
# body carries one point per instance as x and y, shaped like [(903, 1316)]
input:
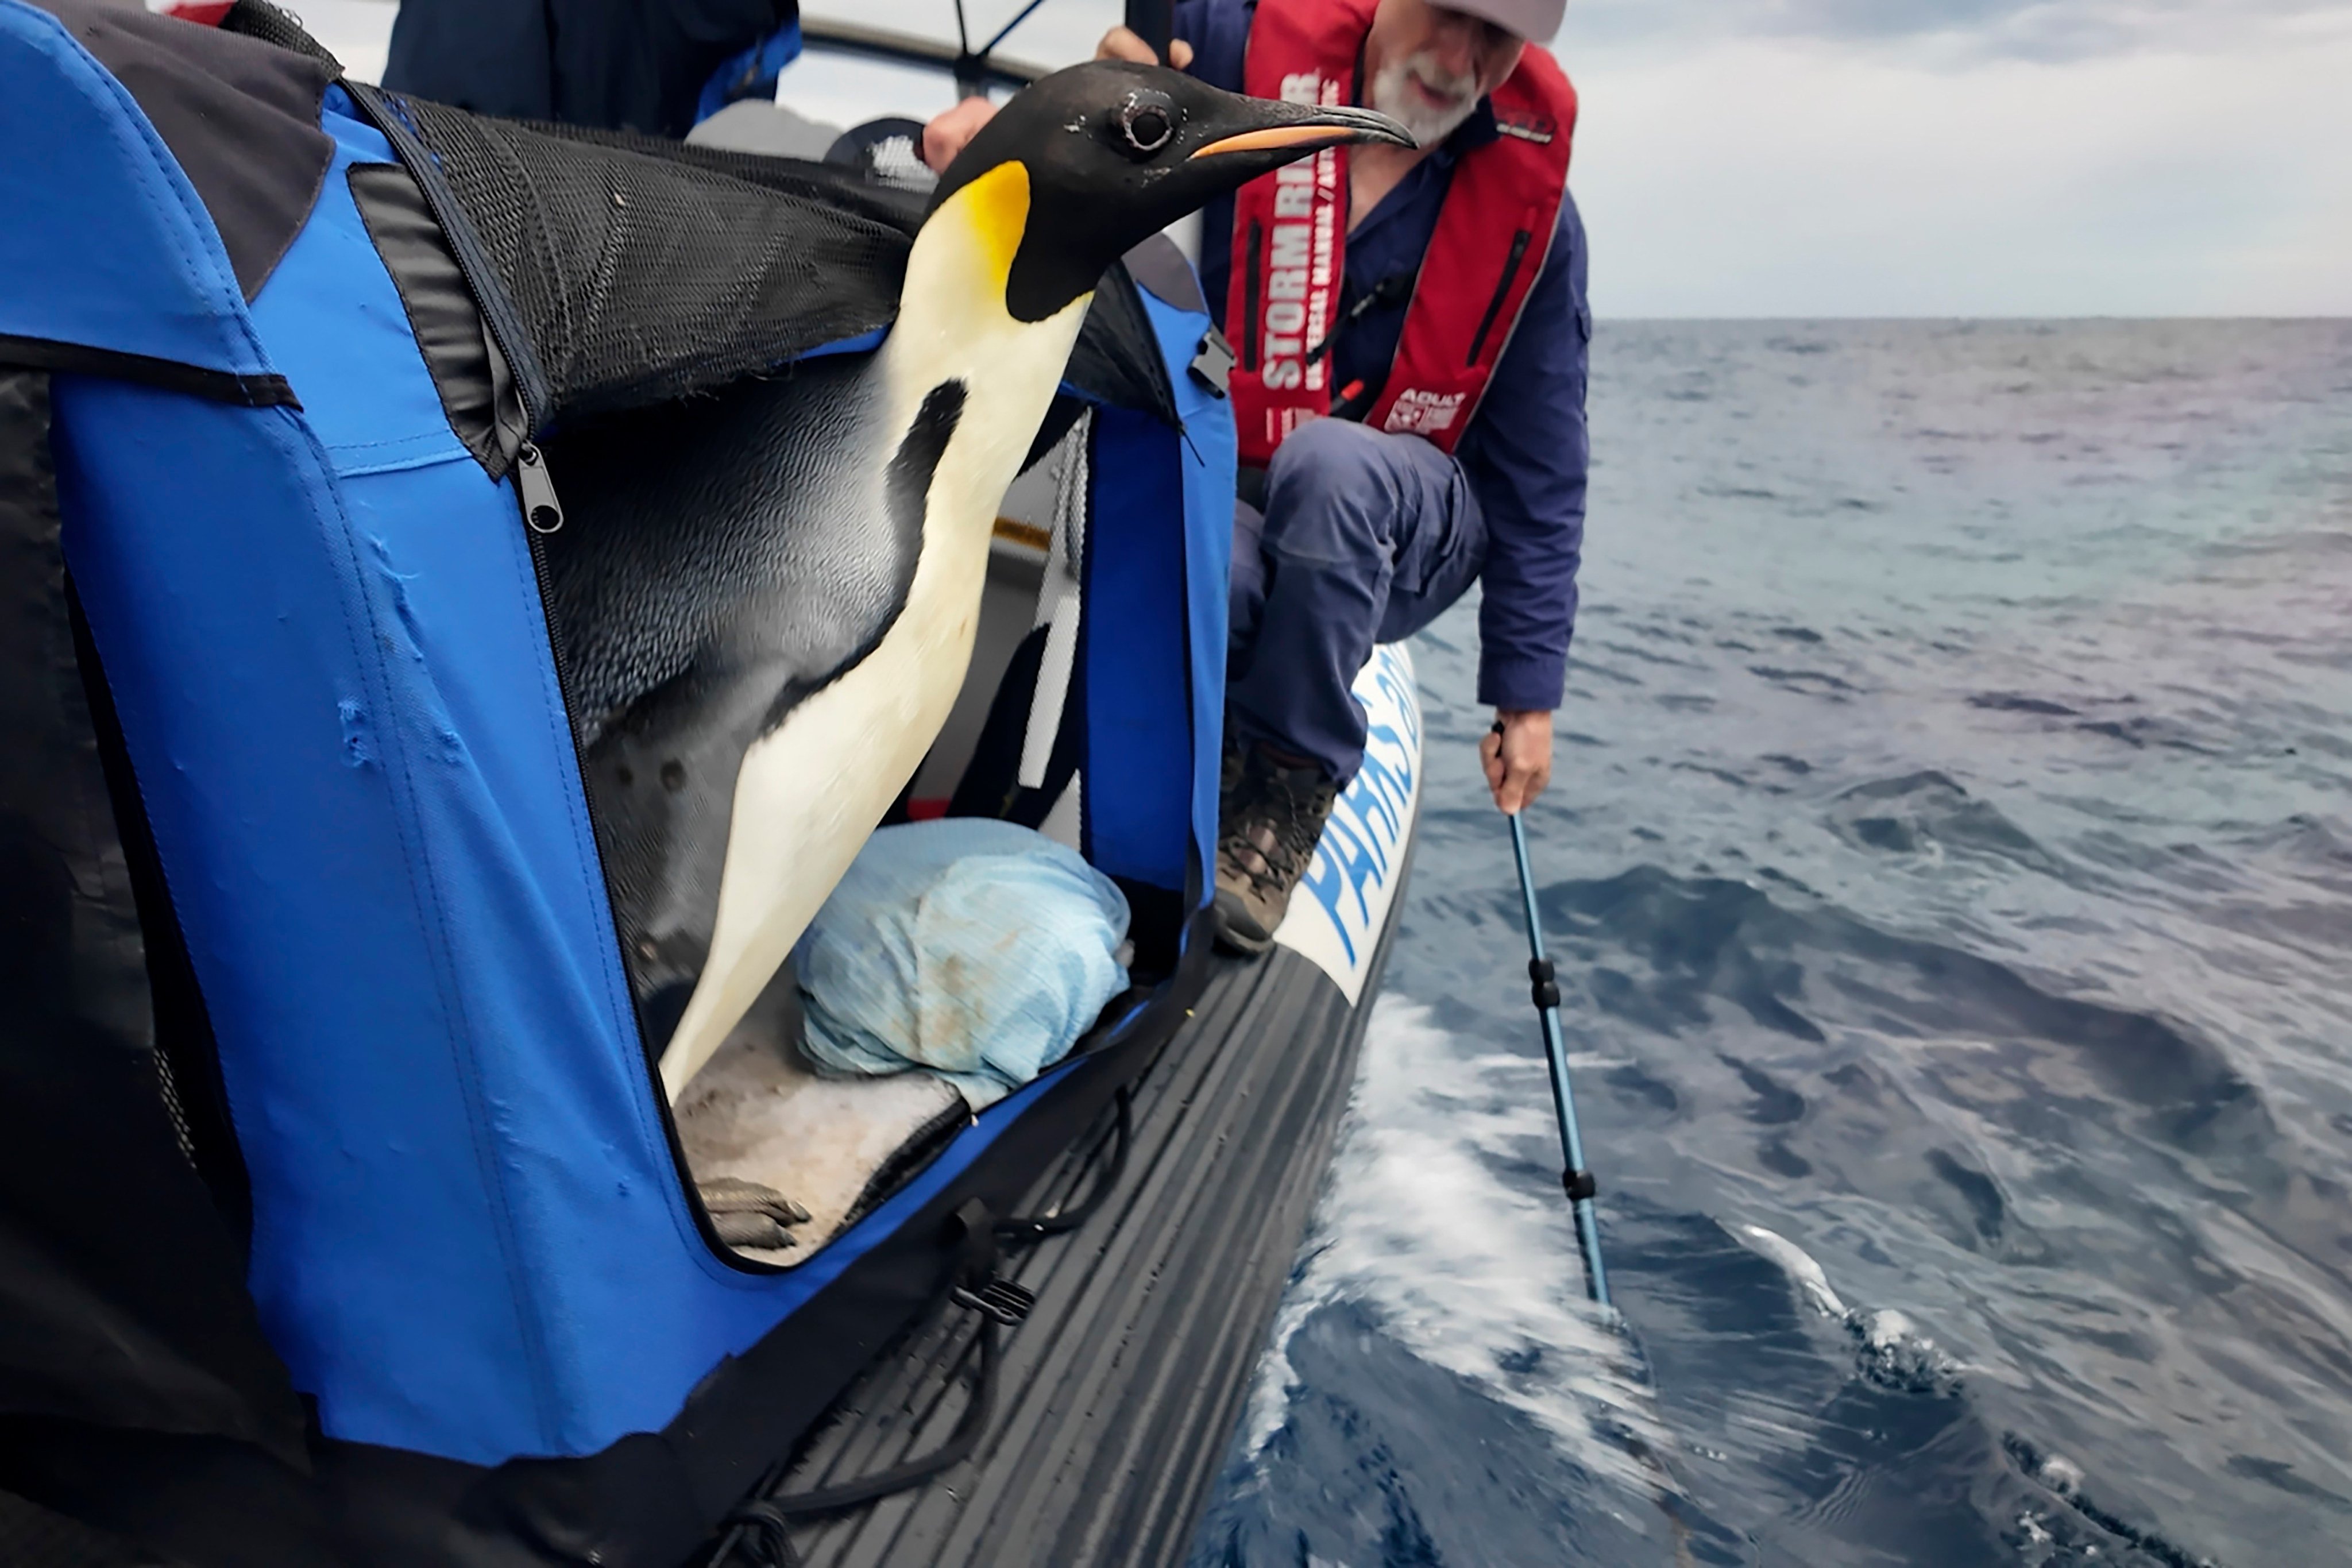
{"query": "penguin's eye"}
[(1145, 122)]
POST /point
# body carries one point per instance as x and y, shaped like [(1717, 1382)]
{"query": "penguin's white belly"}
[(812, 790)]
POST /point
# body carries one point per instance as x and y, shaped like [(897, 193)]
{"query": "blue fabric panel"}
[(1138, 756), (142, 274), (1210, 452), (1163, 510), (324, 638), (338, 310), (260, 711), (389, 881)]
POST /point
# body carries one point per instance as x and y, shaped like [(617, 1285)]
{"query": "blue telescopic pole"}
[(1545, 985)]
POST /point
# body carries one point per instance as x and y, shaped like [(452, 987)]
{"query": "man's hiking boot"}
[(1271, 817)]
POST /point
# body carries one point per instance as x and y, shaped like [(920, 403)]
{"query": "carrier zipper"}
[(1249, 323), (1520, 243), (540, 510), (542, 515)]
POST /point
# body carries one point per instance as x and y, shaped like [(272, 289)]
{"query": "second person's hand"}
[(1120, 44), (1516, 756), (947, 133)]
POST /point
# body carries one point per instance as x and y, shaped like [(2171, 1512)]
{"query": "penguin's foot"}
[(747, 1214)]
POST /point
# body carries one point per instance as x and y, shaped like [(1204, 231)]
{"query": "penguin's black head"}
[(1110, 153)]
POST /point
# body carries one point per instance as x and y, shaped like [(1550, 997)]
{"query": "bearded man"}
[(1415, 429)]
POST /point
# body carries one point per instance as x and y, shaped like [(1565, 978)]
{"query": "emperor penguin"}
[(765, 601)]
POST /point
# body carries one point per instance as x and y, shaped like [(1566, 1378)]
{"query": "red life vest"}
[(1290, 231)]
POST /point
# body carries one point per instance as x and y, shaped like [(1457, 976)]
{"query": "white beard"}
[(1393, 95)]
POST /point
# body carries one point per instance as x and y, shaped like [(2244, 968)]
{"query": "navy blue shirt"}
[(625, 65), (1525, 450)]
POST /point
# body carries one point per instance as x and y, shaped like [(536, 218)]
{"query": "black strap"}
[(1023, 1229), (250, 391), (763, 1531), (1390, 291), (951, 1453), (762, 1528)]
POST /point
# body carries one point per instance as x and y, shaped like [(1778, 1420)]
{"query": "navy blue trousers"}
[(1365, 538)]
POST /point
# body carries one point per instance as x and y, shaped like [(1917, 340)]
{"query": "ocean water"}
[(1950, 861)]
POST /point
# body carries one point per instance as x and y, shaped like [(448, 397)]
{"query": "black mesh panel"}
[(618, 272), (644, 270)]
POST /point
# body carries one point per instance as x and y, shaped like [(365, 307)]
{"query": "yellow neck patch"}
[(996, 207)]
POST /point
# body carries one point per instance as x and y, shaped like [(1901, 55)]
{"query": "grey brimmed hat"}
[(1534, 20)]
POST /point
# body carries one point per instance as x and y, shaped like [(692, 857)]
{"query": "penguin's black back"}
[(721, 558)]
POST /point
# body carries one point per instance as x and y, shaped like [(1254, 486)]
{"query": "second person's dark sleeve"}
[(1526, 457)]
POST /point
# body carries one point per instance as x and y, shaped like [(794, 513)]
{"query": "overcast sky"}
[(1878, 157)]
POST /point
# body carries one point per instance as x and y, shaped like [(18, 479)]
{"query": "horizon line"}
[(2343, 319)]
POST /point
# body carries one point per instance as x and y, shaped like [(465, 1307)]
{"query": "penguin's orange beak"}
[(1316, 129)]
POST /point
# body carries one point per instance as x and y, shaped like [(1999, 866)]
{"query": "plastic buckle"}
[(1213, 364), (1000, 1299), (1579, 1185), (994, 1297)]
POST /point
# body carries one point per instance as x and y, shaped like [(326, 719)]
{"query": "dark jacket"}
[(633, 65)]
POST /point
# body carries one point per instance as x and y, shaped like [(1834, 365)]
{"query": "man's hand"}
[(1518, 755), (946, 131), (1120, 44)]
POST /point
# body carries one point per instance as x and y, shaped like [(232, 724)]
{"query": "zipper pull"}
[(541, 509)]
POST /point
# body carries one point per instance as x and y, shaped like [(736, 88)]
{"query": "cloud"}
[(1776, 175), (1955, 30)]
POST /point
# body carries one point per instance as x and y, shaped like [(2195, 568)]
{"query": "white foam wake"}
[(1469, 1271)]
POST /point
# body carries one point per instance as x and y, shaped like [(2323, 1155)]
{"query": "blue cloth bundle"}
[(975, 949)]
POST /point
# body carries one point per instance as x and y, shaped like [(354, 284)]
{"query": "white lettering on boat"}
[(1341, 907)]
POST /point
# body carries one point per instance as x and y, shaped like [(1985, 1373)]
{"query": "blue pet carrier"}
[(299, 774)]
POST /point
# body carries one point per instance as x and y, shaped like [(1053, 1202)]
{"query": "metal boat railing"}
[(975, 69)]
